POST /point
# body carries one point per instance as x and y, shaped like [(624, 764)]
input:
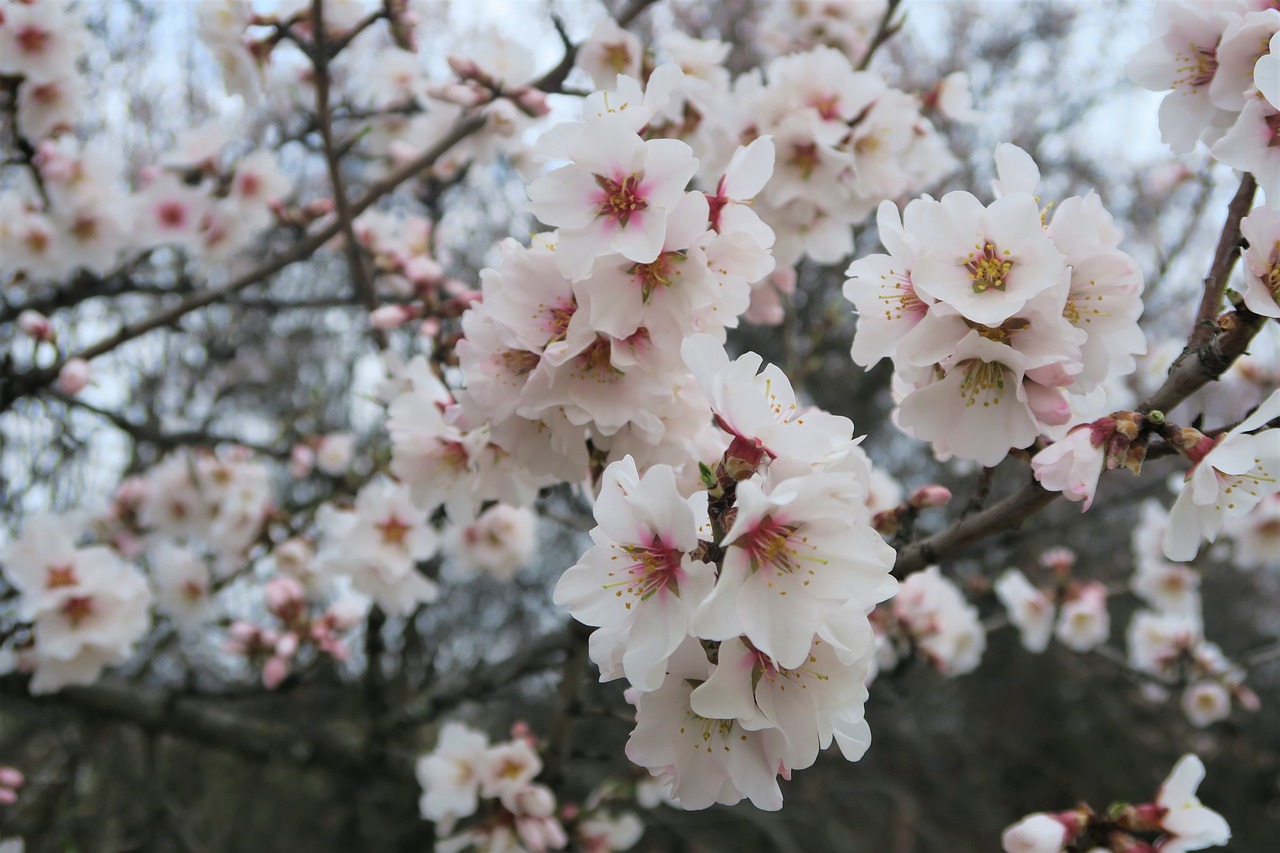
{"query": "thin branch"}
[(887, 29), (342, 207), (1224, 260)]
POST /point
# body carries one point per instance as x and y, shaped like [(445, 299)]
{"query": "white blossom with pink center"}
[(762, 409), (1235, 476), (1083, 621), (881, 290), (793, 556), (450, 775), (1253, 145), (1183, 57), (986, 262), (943, 625), (378, 544), (638, 578), (978, 410), (615, 196)]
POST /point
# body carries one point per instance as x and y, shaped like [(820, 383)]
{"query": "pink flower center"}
[(557, 320), (78, 608), (597, 359), (987, 268), (903, 303), (394, 531), (57, 577), (32, 40), (249, 185), (620, 200), (652, 569), (773, 543), (171, 214)]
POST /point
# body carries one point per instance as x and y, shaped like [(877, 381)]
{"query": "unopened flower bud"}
[(11, 778), (743, 458), (284, 594), (531, 101), (390, 316), (931, 495), (35, 325), (301, 460), (274, 672), (73, 377)]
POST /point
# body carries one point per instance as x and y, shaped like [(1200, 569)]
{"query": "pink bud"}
[(430, 327), (11, 778), (35, 325), (132, 490), (73, 377), (390, 316), (301, 460), (284, 594), (744, 456), (931, 495), (274, 671), (423, 271), (7, 797), (532, 101), (463, 67)]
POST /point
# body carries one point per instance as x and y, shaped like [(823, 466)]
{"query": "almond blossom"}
[(378, 544), (791, 560), (1188, 824), (639, 578), (614, 197), (706, 760), (1030, 609), (1231, 479), (1183, 57), (1262, 260)]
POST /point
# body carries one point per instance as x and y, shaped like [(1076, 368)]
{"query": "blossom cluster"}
[(997, 317), (1165, 637), (493, 789), (737, 610), (86, 607), (1220, 63), (78, 216), (1073, 611), (1175, 822), (930, 616)]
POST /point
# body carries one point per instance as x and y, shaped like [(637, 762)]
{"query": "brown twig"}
[(1224, 261), (321, 53)]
